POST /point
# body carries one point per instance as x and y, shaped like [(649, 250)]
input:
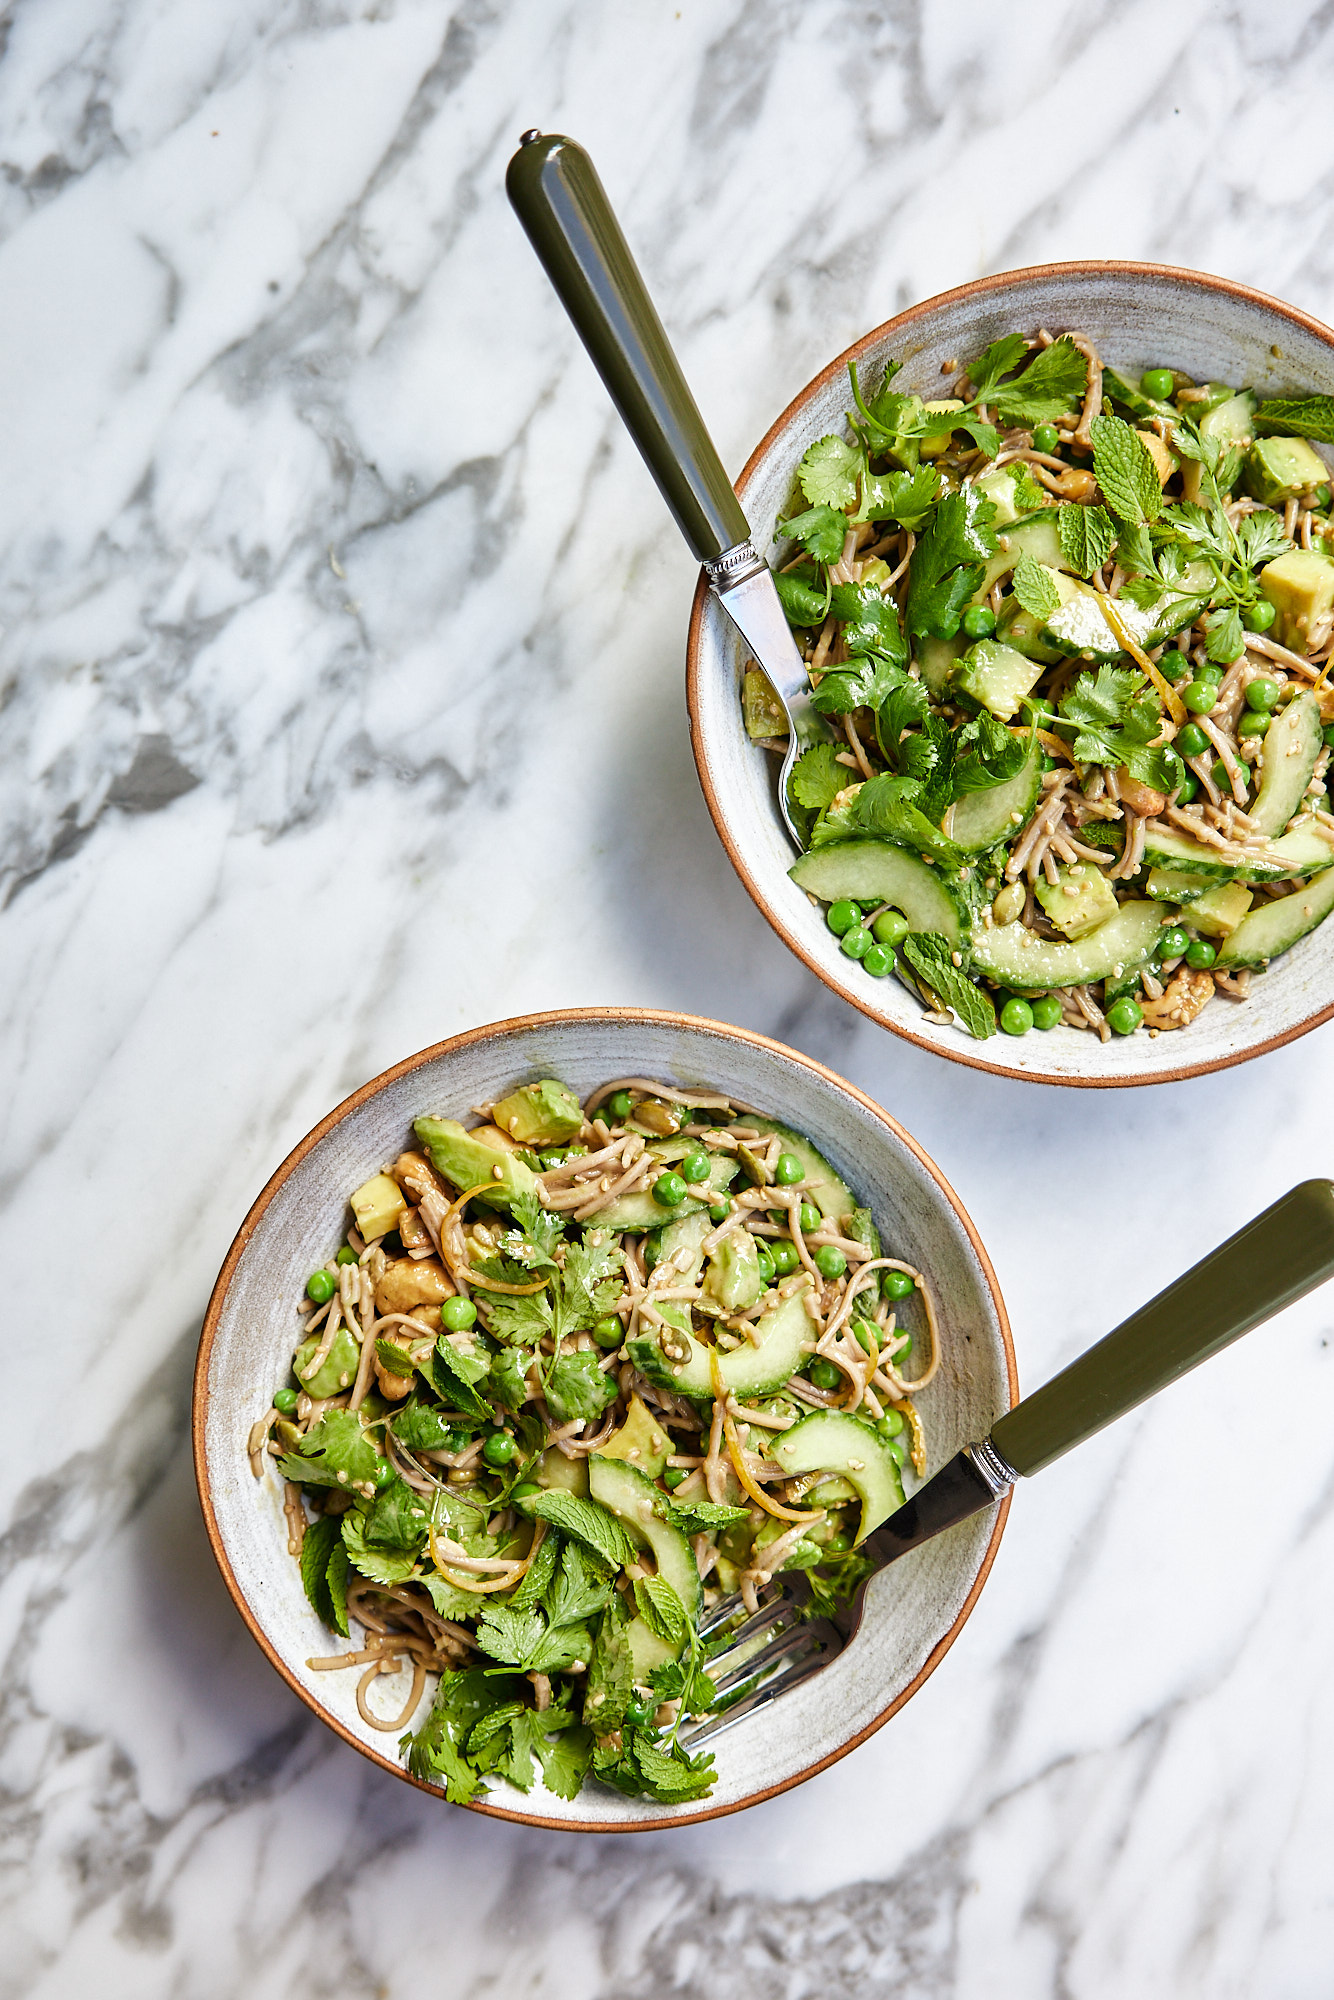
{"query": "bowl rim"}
[(648, 1017), (999, 281)]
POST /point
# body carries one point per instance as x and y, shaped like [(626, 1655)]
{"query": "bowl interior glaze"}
[(915, 1609), (1137, 315)]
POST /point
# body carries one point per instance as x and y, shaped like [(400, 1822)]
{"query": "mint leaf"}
[(820, 530), (577, 1594), (587, 1522), (870, 621), (905, 497), (661, 1609), (803, 605), (931, 958), (1299, 416), (1034, 588), (335, 1578), (377, 1565), (609, 1688), (817, 777), (1125, 472), (947, 563), (1051, 386), (534, 1582), (437, 1750), (422, 1427), (397, 1518), (829, 471), (453, 1375), (697, 1517), (671, 1777), (320, 1540), (1087, 536)]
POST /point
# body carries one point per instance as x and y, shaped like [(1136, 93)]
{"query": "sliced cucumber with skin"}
[(1016, 956), (832, 1196), (1303, 852), (641, 1211), (832, 1441), (1299, 853), (1276, 925), (625, 1492), (867, 870), (936, 660), (979, 819), (1033, 537), (786, 1334), (1288, 754), (1171, 885)]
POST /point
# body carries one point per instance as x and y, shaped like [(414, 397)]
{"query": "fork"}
[(1272, 1262)]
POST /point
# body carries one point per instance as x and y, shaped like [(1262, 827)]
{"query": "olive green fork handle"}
[(1273, 1261), (560, 201)]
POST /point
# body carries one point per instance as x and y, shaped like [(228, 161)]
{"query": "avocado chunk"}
[(641, 1440), (998, 677), (540, 1114), (466, 1161), (936, 447), (733, 1279), (763, 713), (1300, 586), (1219, 911), (1279, 469), (377, 1205), (1078, 900)]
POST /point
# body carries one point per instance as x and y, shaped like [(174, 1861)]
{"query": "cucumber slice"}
[(640, 1211), (1016, 956), (1303, 852), (746, 1371), (833, 1441), (832, 1196), (1079, 626), (1271, 929), (1288, 756), (1178, 851), (1037, 538), (979, 819), (634, 1500), (1171, 885), (875, 869), (998, 677), (936, 661)]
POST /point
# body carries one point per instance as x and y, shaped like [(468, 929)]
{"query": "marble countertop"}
[(342, 710)]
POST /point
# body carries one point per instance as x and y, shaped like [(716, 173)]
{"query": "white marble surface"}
[(341, 699)]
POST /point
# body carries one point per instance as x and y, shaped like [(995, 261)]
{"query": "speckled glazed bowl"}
[(916, 1609), (1137, 315)]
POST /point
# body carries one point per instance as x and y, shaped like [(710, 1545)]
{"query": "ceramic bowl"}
[(1137, 315), (916, 1609)]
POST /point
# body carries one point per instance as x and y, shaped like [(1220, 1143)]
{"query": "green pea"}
[(674, 1476), (1258, 617), (890, 928), (696, 1167), (830, 1261), (1191, 740), (838, 1545), (898, 1451), (1188, 788), (788, 1170), (1221, 777), (608, 1332), (499, 1448), (1263, 693), (1124, 1015), (347, 1255), (1046, 438), (718, 1211), (809, 1217), (843, 916), (639, 1714), (879, 962), (1254, 723), (525, 1490), (1200, 696), (669, 1190), (1200, 954), (903, 1350), (1046, 1011), (384, 1474), (619, 1105), (321, 1286), (457, 1315), (784, 1259), (896, 1285), (1158, 383), (1037, 708), (284, 1400), (979, 621), (823, 1374), (766, 1265), (1016, 1017), (890, 1424), (862, 1334), (1174, 666), (856, 942), (1172, 942)]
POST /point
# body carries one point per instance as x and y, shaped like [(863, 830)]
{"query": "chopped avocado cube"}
[(467, 1161), (1078, 900), (1164, 460), (540, 1114), (733, 1278), (763, 712), (641, 1440), (1278, 469), (1300, 586), (377, 1205), (998, 677), (566, 1475), (936, 447), (1219, 911), (998, 487), (338, 1368)]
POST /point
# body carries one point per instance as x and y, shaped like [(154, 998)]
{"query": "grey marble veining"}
[(340, 708)]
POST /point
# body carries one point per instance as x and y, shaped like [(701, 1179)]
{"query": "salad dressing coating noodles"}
[(527, 1437), (1072, 639)]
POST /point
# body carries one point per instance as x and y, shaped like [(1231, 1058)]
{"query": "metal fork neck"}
[(735, 565)]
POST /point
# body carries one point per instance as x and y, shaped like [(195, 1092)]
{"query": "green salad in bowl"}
[(1072, 636)]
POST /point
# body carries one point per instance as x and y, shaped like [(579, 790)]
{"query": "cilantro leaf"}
[(377, 1565), (565, 1759), (321, 1538), (803, 605), (684, 1681), (886, 808), (870, 621), (986, 754), (507, 1383), (931, 958), (1226, 641), (999, 359), (1125, 472), (905, 497), (1297, 416), (448, 1599), (454, 1372), (1117, 715), (820, 530), (817, 777), (334, 1452), (590, 1282), (1260, 537), (944, 423), (907, 707), (509, 1635), (1087, 536), (576, 1387), (829, 471), (1034, 588), (1051, 386), (396, 1519), (541, 1231), (947, 563), (865, 682), (437, 1749), (587, 1522)]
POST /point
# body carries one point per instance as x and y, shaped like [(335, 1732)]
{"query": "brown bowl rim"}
[(648, 1017), (999, 281)]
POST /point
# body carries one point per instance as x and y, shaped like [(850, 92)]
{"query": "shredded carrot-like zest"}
[(470, 1583), (756, 1492), (460, 1267), (907, 1408), (1172, 701)]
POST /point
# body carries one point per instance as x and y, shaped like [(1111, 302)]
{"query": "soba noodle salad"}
[(1072, 637), (575, 1375)]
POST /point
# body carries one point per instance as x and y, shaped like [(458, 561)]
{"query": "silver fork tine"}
[(820, 1642)]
